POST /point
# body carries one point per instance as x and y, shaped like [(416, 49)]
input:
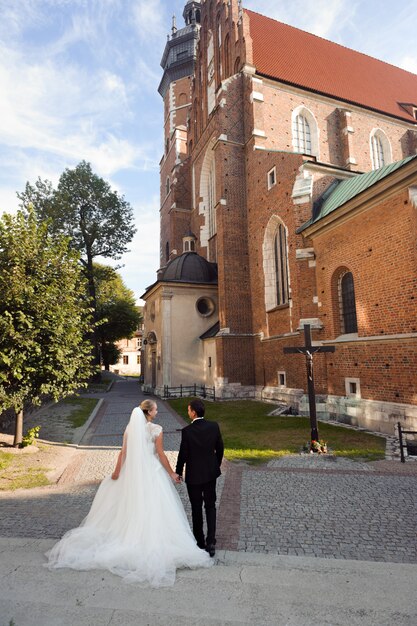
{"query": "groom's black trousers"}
[(198, 494)]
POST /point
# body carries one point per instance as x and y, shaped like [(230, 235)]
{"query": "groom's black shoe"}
[(211, 549)]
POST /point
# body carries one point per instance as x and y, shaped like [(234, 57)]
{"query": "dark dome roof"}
[(190, 267)]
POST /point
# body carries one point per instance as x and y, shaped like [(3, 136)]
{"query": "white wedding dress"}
[(137, 527)]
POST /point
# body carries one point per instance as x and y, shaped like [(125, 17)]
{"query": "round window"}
[(205, 306)]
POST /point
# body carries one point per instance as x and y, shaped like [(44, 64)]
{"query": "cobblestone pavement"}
[(304, 505)]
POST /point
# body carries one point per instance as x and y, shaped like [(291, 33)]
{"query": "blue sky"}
[(79, 78)]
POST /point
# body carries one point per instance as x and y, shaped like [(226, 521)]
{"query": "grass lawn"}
[(83, 408), (17, 472), (250, 434)]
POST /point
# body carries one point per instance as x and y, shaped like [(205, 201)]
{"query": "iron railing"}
[(410, 446), (183, 391)]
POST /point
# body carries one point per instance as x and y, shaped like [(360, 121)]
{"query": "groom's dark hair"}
[(198, 406)]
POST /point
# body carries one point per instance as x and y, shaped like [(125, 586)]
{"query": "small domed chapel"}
[(288, 197)]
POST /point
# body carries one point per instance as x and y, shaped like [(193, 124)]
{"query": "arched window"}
[(211, 78), (380, 149), (227, 56), (219, 50), (208, 200), (167, 251), (212, 201), (182, 99), (281, 265), (195, 114), (275, 264), (301, 135), (167, 186), (237, 65), (304, 132), (348, 304)]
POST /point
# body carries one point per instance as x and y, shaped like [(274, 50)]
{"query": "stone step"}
[(240, 589)]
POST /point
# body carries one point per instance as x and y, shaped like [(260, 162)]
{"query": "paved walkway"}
[(275, 525)]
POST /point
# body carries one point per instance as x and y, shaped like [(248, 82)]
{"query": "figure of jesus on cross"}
[(308, 349)]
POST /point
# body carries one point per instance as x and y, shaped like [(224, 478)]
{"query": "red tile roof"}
[(293, 56)]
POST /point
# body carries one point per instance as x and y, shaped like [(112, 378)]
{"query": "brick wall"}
[(248, 132)]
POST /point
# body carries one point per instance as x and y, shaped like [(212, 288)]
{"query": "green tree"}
[(44, 316), (84, 207), (110, 354), (117, 313)]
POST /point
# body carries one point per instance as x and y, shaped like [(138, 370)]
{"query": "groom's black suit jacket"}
[(201, 451)]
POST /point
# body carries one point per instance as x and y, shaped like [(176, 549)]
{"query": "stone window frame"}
[(281, 375), (379, 148), (303, 113), (272, 177), (349, 391), (205, 306)]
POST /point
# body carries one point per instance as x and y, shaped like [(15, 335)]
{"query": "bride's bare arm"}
[(120, 459), (159, 446)]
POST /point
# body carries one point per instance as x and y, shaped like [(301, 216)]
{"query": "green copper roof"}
[(342, 191)]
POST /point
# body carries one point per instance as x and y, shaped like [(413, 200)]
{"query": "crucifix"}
[(308, 349)]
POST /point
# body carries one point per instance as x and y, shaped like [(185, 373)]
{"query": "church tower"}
[(178, 63)]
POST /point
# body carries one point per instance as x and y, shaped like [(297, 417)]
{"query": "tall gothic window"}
[(281, 265), (305, 132), (380, 149), (212, 201), (301, 135), (348, 304), (205, 189), (275, 264), (227, 56)]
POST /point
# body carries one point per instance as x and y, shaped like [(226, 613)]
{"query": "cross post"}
[(309, 350)]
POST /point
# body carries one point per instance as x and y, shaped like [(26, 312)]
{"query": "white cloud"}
[(149, 19), (409, 63), (8, 200), (64, 110), (140, 264)]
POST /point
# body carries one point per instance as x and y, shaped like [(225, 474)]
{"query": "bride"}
[(136, 527)]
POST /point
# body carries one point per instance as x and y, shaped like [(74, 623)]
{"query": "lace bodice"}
[(153, 431)]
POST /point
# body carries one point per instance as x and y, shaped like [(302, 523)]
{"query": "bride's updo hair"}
[(146, 406)]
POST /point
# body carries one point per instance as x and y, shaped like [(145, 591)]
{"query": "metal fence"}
[(183, 391), (410, 445)]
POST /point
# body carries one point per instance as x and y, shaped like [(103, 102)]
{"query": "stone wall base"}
[(372, 415), (234, 391)]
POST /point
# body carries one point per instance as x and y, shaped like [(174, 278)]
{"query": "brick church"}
[(288, 197)]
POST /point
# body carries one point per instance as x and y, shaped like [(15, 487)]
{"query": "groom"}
[(201, 451)]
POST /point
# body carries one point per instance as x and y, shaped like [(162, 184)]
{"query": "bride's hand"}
[(175, 477), (114, 476)]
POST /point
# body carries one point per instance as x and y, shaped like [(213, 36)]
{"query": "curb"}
[(80, 432)]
